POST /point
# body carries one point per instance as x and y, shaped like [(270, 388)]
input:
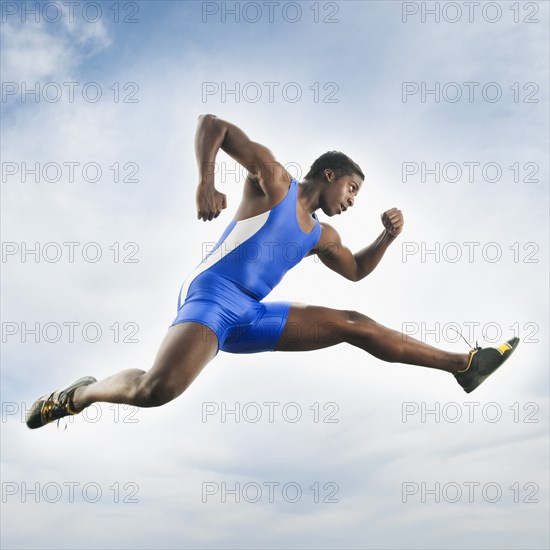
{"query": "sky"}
[(445, 108)]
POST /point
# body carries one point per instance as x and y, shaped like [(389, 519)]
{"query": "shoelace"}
[(472, 350), (55, 405), (64, 422), (478, 347)]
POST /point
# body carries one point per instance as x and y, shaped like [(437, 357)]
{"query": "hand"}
[(210, 202), (393, 221)]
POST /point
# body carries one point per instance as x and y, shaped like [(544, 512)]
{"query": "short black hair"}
[(341, 164)]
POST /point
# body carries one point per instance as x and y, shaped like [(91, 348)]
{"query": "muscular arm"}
[(213, 134), (209, 137), (355, 267), (369, 257)]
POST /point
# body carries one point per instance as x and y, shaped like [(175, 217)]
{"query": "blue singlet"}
[(225, 291)]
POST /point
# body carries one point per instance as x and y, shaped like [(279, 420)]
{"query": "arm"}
[(213, 134), (208, 139), (355, 267)]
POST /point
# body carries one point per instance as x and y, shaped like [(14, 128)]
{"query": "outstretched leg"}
[(314, 327), (186, 349)]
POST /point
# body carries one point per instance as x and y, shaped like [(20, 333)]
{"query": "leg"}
[(314, 327), (186, 349)]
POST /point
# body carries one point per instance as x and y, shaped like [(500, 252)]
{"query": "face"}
[(339, 193)]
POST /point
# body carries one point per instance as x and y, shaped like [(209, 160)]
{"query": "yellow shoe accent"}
[(56, 405), (504, 347), (483, 363), (472, 353)]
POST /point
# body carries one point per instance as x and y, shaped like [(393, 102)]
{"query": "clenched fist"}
[(210, 202), (393, 221)]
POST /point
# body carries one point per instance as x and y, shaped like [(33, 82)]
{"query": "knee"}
[(354, 318), (153, 392), (357, 324)]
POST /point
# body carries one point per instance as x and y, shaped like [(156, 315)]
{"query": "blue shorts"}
[(241, 323)]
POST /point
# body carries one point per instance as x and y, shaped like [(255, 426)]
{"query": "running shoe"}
[(58, 404), (482, 363)]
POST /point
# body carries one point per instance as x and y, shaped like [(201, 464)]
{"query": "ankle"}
[(461, 362), (75, 400)]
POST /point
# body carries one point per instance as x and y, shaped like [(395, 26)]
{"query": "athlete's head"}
[(341, 179)]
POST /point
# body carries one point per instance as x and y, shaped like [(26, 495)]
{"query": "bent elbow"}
[(354, 275), (360, 273), (206, 117)]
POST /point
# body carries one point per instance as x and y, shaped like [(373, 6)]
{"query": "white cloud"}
[(170, 452)]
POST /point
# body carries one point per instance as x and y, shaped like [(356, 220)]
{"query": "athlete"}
[(221, 303)]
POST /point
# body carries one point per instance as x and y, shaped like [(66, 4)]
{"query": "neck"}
[(308, 195)]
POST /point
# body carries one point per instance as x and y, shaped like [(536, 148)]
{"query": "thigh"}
[(185, 350), (314, 327), (261, 332)]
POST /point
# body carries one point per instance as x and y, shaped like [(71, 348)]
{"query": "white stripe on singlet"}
[(241, 231)]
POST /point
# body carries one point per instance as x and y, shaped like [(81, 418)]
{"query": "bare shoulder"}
[(329, 237), (274, 181), (255, 200)]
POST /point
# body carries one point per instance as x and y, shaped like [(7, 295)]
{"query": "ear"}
[(329, 175)]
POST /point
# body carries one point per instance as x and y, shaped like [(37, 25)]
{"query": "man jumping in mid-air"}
[(221, 303)]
